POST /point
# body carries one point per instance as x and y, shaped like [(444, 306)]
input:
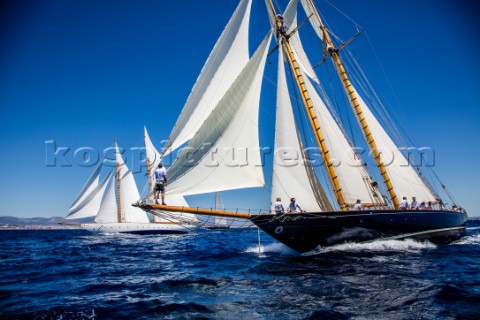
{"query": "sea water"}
[(228, 274)]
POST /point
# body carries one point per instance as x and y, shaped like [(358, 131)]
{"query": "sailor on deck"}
[(293, 206), (160, 182), (404, 204), (358, 205), (279, 207), (414, 204)]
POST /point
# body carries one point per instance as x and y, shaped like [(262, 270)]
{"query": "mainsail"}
[(224, 154), (228, 58), (406, 182), (352, 175), (129, 194), (290, 175), (108, 208)]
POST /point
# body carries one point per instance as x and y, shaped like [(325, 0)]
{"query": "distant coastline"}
[(52, 223)]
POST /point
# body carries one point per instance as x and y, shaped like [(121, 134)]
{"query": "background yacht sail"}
[(108, 207), (90, 204), (89, 186)]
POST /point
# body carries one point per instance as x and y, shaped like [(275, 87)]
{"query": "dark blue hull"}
[(305, 231)]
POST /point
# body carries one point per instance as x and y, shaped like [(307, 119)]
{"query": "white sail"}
[(311, 11), (352, 175), (290, 178), (153, 156), (89, 186), (219, 221), (130, 195), (90, 205), (226, 61), (290, 19), (224, 154), (271, 15), (108, 208), (406, 182), (119, 161)]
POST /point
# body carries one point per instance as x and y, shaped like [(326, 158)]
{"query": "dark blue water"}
[(70, 274)]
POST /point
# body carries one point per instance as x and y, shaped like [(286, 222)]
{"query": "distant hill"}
[(14, 221)]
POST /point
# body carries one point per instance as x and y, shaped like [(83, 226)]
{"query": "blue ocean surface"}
[(71, 274)]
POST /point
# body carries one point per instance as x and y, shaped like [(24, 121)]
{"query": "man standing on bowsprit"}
[(160, 183)]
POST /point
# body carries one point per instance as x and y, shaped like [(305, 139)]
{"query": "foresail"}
[(406, 182), (351, 173), (90, 205), (290, 175), (129, 196), (89, 186), (226, 61), (224, 154), (108, 208)]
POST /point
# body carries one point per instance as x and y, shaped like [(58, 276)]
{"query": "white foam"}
[(473, 239), (381, 245), (272, 247)]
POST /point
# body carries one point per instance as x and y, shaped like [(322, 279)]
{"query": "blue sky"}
[(82, 73)]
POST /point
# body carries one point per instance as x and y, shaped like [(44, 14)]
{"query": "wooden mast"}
[(332, 175), (118, 170), (357, 109)]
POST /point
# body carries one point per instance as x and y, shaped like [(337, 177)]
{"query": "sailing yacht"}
[(111, 209), (220, 120)]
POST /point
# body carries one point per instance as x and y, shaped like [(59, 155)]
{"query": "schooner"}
[(221, 116)]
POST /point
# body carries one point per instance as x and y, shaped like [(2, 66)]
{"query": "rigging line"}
[(444, 187), (304, 135), (385, 116), (343, 13), (397, 131), (338, 119), (358, 74)]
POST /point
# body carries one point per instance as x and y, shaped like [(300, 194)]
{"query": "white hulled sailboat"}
[(112, 210)]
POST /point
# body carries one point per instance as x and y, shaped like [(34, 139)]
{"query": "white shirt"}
[(414, 205), (279, 207), (357, 206), (160, 174), (404, 204)]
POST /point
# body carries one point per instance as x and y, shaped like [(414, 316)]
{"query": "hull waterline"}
[(135, 228), (305, 231)]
